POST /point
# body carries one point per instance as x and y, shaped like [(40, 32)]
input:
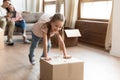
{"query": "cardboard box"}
[(1, 39), (72, 32), (61, 69)]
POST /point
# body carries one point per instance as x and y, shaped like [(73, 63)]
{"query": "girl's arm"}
[(62, 46), (18, 17), (45, 41)]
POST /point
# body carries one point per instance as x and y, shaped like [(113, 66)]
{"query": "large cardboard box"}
[(61, 69), (1, 39)]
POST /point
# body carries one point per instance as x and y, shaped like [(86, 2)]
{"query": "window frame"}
[(53, 2), (79, 11), (48, 2)]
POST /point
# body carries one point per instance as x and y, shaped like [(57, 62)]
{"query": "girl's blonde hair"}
[(54, 18)]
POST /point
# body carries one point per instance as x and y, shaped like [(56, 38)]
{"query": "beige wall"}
[(115, 50)]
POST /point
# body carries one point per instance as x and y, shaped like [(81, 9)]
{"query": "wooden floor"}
[(98, 64)]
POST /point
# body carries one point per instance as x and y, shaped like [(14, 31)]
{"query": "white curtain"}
[(71, 7), (39, 6), (58, 5), (34, 5), (18, 4), (109, 32)]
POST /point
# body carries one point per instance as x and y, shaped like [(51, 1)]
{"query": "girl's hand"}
[(67, 57), (9, 15), (47, 58), (9, 19)]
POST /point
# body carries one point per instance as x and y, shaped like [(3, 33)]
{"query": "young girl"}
[(19, 21), (43, 31)]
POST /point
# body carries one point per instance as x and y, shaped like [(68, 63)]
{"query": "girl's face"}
[(57, 25), (11, 8)]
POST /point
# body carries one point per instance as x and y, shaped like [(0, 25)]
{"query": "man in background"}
[(6, 23)]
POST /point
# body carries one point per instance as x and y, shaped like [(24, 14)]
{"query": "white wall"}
[(1, 2), (19, 5), (115, 50)]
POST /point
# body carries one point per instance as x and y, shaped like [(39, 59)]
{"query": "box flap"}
[(72, 33)]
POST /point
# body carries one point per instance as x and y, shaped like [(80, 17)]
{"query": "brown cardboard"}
[(72, 32), (61, 69), (1, 39)]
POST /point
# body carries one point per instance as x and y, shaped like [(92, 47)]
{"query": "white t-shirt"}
[(3, 12)]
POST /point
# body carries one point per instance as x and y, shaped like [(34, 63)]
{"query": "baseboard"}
[(115, 53)]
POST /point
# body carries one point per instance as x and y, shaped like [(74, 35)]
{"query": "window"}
[(62, 8), (50, 6), (96, 9)]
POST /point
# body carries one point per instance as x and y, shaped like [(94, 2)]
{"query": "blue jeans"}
[(21, 24), (34, 44)]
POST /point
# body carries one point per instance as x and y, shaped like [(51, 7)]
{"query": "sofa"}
[(31, 19)]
